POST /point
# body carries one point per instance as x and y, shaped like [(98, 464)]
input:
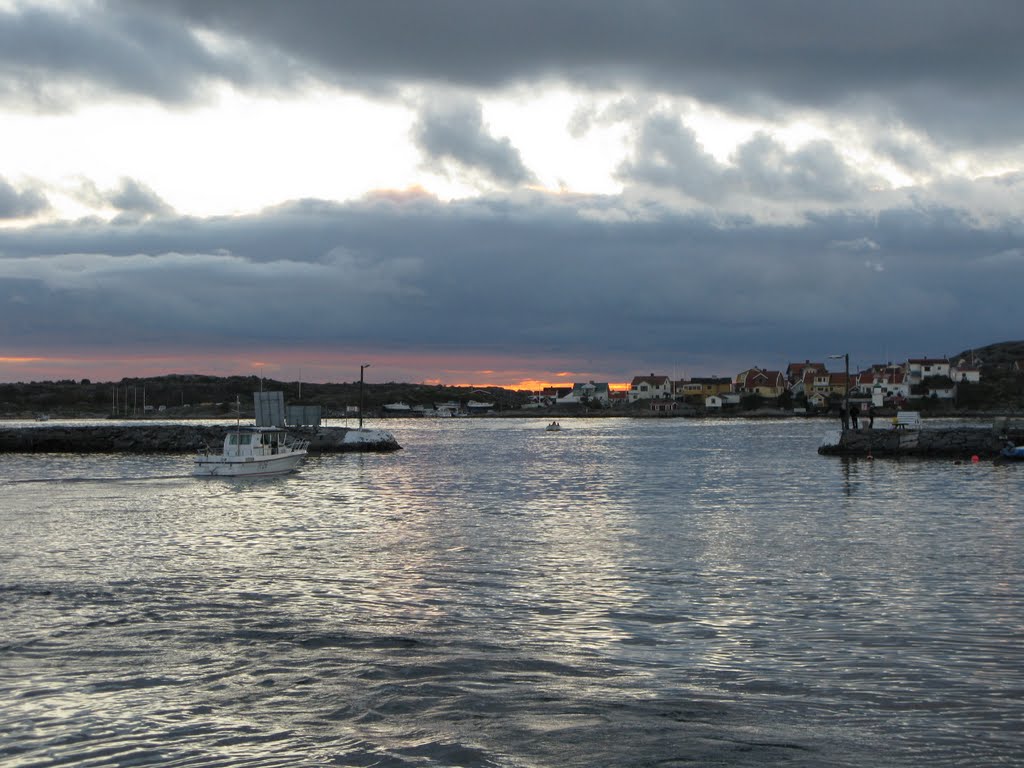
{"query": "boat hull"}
[(247, 466)]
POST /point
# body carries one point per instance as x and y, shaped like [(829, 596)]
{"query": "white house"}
[(921, 368), (942, 391), (650, 388), (884, 382), (589, 392)]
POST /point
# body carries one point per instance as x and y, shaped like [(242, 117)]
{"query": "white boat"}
[(252, 452), (554, 426)]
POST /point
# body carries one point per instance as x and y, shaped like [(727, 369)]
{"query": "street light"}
[(362, 367), (846, 397)]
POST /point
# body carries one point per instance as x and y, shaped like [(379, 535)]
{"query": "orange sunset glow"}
[(536, 385)]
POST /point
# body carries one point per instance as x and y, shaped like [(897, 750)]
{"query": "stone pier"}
[(174, 438), (953, 442)]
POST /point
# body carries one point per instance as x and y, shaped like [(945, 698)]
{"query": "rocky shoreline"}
[(165, 438)]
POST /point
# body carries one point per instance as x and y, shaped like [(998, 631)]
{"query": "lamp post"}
[(362, 367), (846, 397)]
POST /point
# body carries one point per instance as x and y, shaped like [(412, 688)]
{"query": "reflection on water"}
[(619, 593)]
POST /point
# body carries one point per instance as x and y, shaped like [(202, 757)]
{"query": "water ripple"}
[(622, 593)]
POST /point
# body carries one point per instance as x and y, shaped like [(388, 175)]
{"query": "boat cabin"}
[(255, 441)]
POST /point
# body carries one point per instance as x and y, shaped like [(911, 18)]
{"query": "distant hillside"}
[(1000, 355), (190, 395)]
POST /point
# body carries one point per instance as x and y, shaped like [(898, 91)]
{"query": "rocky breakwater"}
[(174, 438), (952, 442)]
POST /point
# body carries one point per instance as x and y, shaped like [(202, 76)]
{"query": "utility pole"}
[(362, 367), (846, 397)]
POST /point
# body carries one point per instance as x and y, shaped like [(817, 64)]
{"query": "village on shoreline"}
[(983, 382)]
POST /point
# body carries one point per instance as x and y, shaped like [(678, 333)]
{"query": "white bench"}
[(906, 419)]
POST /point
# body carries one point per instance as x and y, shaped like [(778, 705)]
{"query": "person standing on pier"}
[(853, 418)]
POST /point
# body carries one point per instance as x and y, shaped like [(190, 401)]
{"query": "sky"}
[(505, 193)]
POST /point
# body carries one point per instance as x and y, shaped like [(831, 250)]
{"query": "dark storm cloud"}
[(51, 59), (534, 277), (23, 204), (451, 132), (949, 67), (946, 67)]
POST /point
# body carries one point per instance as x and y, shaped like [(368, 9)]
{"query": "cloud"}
[(517, 278), (134, 197), (19, 205), (946, 67), (860, 245), (815, 171), (668, 154), (761, 171), (451, 132), (865, 192), (52, 58), (131, 199)]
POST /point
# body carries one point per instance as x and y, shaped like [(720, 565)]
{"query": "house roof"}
[(658, 381), (556, 391), (928, 360), (709, 380), (799, 370), (758, 377)]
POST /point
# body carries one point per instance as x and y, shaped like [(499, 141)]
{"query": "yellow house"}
[(760, 382), (702, 388)]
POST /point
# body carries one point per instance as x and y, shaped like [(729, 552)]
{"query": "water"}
[(634, 593)]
